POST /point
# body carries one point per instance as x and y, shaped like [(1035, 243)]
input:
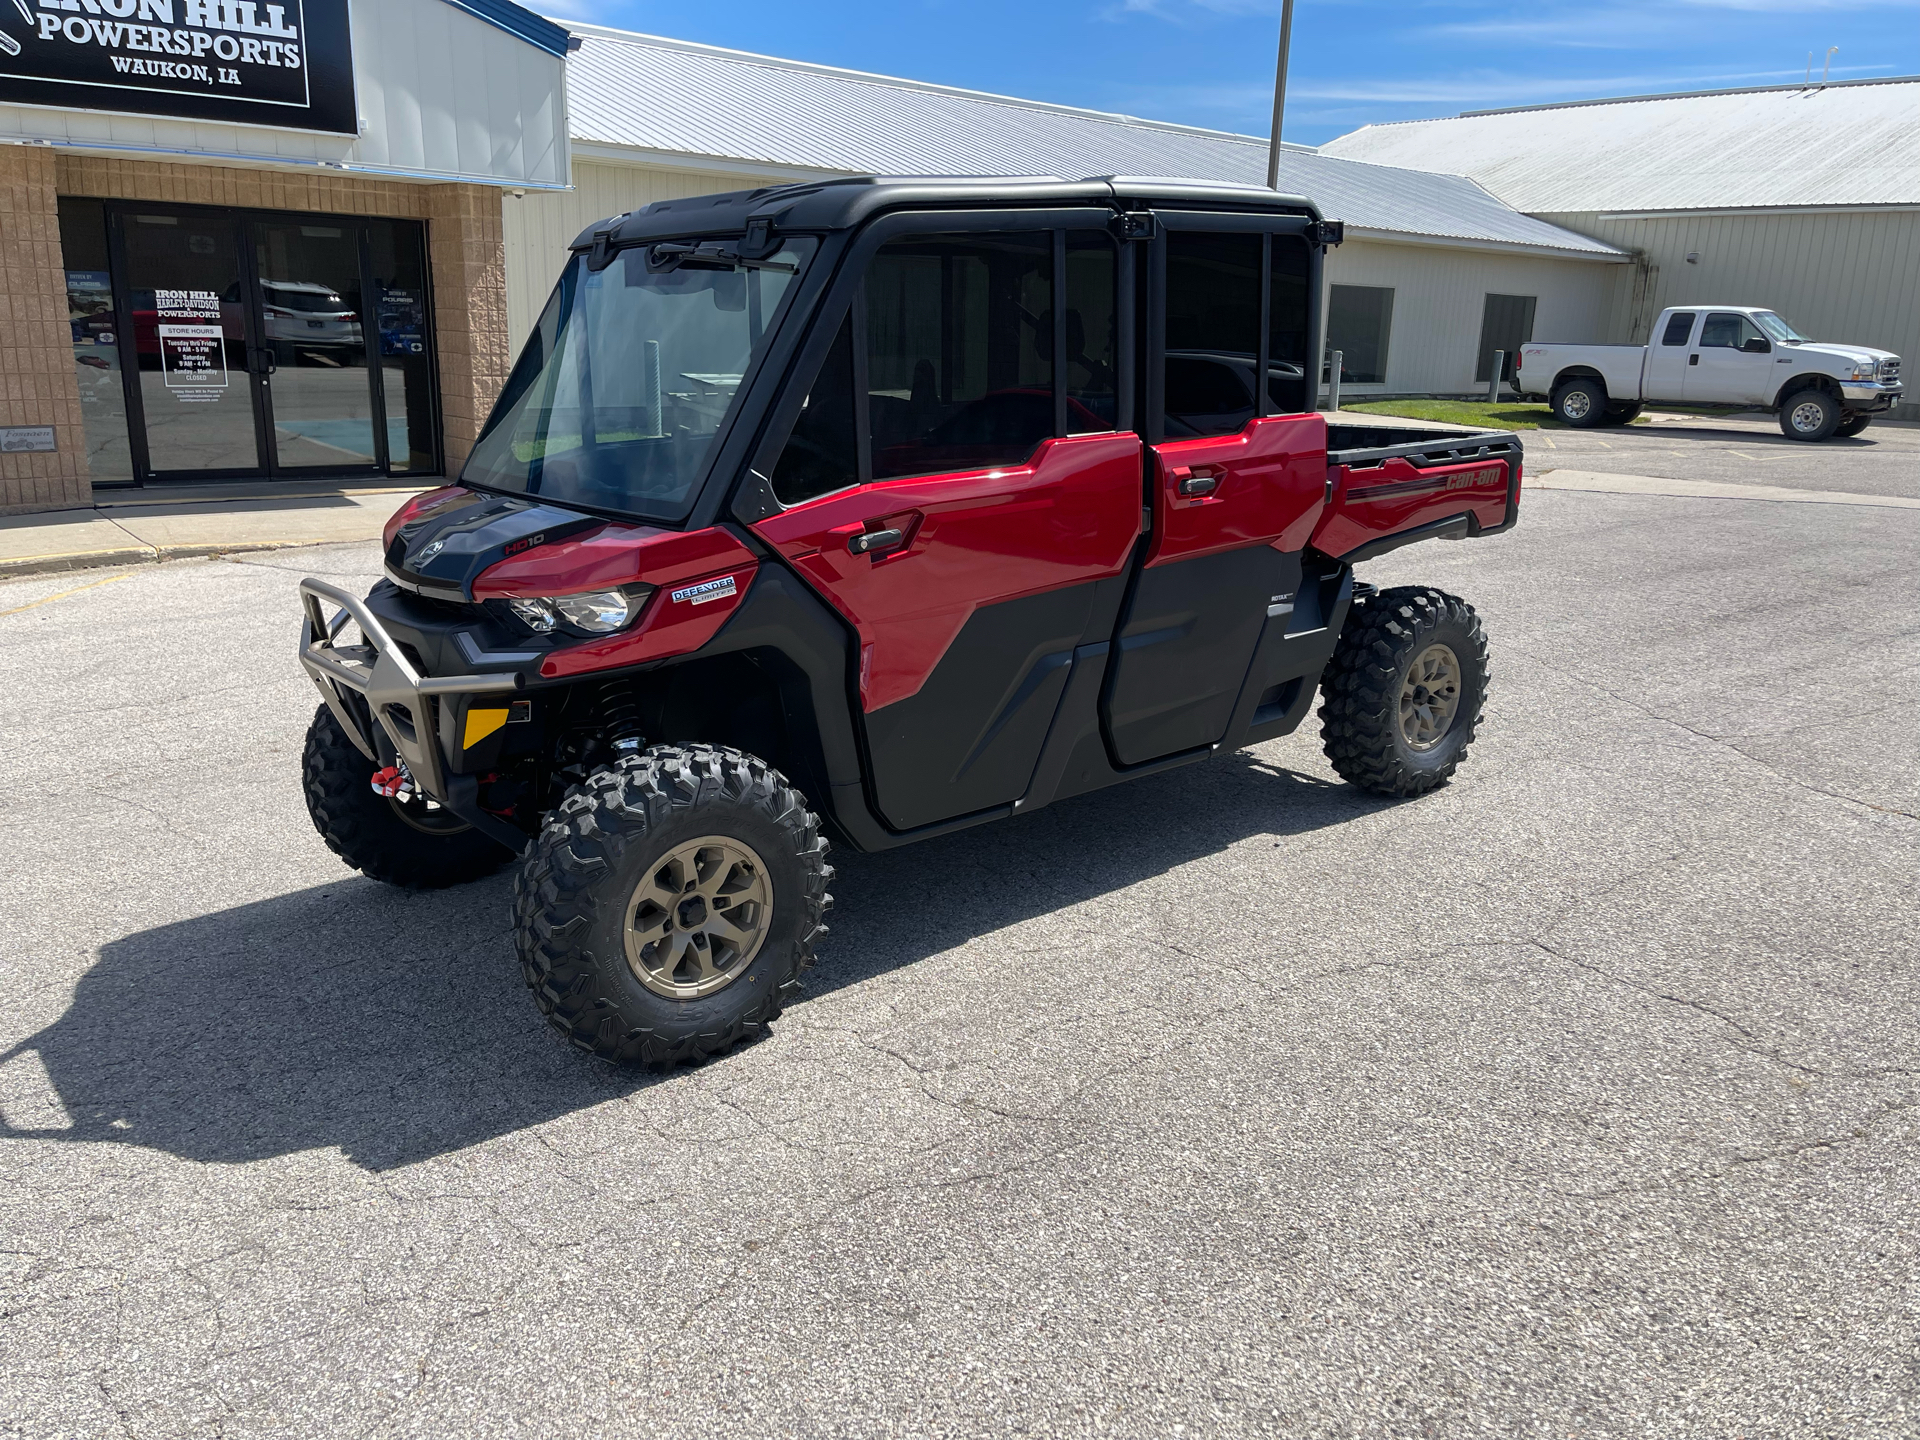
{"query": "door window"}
[(1679, 328), (959, 351), (191, 342), (1505, 325), (1732, 332), (312, 313), (1092, 375), (1359, 322), (1212, 332), (822, 454), (1287, 328)]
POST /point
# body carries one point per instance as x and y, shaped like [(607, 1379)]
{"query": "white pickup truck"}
[(1717, 355)]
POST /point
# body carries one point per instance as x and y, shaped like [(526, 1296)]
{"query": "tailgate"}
[(1390, 487)]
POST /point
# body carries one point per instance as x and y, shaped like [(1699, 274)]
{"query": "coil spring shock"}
[(620, 710)]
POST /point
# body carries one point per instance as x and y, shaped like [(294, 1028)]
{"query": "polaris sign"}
[(284, 63)]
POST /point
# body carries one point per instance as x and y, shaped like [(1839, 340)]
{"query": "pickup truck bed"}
[(1389, 486)]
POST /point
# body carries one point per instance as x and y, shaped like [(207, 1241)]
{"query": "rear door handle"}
[(1693, 359), (877, 542), (1199, 480)]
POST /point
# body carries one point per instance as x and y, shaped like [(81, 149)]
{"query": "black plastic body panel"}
[(969, 739), (1184, 648)]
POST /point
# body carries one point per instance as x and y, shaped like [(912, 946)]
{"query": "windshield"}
[(1779, 329), (627, 378)]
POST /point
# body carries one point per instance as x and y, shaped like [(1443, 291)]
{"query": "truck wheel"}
[(1810, 415), (1622, 414), (1401, 697), (400, 842), (1852, 425), (1581, 404), (670, 904)]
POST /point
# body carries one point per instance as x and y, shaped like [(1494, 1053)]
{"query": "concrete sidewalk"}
[(154, 524)]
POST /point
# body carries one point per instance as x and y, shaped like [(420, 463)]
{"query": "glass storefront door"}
[(251, 344)]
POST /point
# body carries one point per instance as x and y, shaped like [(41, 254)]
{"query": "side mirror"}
[(1756, 346)]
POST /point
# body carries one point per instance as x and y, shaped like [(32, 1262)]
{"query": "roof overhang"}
[(1609, 256)]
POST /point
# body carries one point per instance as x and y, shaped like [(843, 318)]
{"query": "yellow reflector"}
[(482, 723)]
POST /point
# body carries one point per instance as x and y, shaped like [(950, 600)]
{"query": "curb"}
[(148, 555)]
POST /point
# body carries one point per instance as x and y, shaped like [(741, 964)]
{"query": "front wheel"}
[(410, 843), (1852, 425), (669, 906), (1810, 415), (1581, 404), (1402, 695)]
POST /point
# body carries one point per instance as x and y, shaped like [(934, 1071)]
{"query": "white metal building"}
[(1802, 198), (656, 119)]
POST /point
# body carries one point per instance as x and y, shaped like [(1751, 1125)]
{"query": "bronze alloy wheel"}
[(1429, 697), (698, 917)]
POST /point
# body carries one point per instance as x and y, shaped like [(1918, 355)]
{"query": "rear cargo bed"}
[(1389, 486)]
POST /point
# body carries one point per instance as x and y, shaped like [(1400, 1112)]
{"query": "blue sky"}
[(1210, 62)]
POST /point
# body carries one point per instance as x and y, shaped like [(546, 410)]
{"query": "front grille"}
[(1890, 369)]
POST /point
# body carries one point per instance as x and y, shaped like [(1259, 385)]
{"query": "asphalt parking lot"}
[(1577, 1099)]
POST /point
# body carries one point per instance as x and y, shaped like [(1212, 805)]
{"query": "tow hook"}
[(395, 783)]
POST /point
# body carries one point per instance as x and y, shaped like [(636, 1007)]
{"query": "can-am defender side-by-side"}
[(873, 510)]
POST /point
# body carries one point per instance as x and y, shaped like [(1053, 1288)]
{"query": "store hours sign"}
[(285, 63)]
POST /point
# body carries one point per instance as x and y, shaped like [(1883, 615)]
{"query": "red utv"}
[(875, 510)]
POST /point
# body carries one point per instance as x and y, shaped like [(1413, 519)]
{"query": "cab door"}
[(1732, 362), (1667, 356), (957, 485), (1236, 476)]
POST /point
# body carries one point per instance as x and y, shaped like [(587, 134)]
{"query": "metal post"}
[(1279, 94), (1336, 358), (1493, 385)]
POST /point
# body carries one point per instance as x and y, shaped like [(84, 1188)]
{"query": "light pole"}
[(1279, 93)]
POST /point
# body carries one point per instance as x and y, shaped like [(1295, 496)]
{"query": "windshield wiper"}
[(712, 255)]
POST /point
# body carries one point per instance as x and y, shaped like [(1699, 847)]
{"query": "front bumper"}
[(377, 694), (1873, 395)]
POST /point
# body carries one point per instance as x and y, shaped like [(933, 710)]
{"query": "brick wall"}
[(37, 385), (465, 246)]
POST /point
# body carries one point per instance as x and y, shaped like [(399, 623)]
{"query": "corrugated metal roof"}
[(1846, 144), (647, 93)]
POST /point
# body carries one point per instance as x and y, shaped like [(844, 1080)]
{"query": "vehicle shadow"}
[(395, 1026)]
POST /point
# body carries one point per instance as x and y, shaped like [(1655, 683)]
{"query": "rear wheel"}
[(1622, 414), (1581, 404), (669, 906), (407, 843), (1852, 425), (1810, 415), (1403, 693)]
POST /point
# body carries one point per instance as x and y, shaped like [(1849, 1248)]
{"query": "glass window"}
[(959, 352), (1729, 332), (628, 377), (1359, 321), (1092, 337), (1779, 329), (399, 255), (96, 341), (1679, 327), (1213, 332), (821, 454), (1287, 329)]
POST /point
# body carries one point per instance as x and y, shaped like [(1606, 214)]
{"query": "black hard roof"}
[(844, 204)]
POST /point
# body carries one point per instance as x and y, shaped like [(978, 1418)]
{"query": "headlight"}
[(1866, 370), (598, 612)]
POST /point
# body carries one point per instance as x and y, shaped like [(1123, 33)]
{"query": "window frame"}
[(1153, 422), (846, 298)]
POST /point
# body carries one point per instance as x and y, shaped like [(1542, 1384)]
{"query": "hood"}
[(445, 539), (1852, 354)]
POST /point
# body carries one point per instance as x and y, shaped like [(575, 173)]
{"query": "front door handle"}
[(877, 542)]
